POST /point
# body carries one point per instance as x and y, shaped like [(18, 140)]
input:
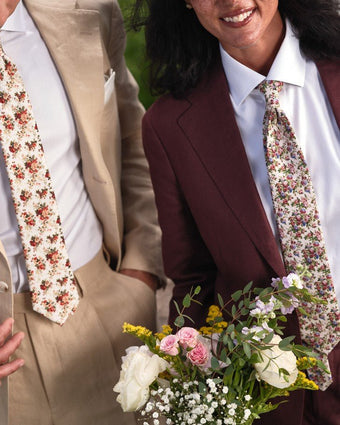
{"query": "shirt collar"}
[(289, 66), (16, 21)]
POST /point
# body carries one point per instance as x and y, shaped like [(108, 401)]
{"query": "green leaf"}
[(186, 301), (230, 328), (220, 300), (301, 350), (282, 318), (189, 318), (202, 388), (229, 370), (179, 321), (247, 349), (233, 310), (303, 311), (236, 295), (267, 339), (255, 358), (247, 287), (197, 290), (215, 365), (283, 371), (230, 344), (241, 362), (322, 366), (285, 342), (244, 311), (177, 307)]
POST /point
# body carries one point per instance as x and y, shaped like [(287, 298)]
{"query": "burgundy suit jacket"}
[(215, 231)]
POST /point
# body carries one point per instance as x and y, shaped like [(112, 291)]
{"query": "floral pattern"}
[(299, 227), (53, 290)]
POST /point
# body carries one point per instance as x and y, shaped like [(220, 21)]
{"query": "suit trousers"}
[(70, 371)]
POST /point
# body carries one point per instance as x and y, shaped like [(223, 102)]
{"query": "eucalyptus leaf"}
[(177, 307), (186, 301), (236, 295), (267, 339), (179, 322), (286, 341), (247, 288), (197, 290)]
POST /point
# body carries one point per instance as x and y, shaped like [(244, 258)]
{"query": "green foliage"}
[(135, 56)]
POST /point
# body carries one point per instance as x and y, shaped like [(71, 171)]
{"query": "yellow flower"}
[(206, 330), (303, 382), (214, 311), (166, 330), (138, 331), (306, 362), (220, 326)]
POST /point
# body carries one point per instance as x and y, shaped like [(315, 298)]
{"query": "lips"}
[(238, 18)]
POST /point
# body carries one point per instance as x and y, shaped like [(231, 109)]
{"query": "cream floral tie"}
[(299, 227), (52, 284)]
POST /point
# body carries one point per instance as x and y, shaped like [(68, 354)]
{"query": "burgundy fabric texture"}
[(215, 231)]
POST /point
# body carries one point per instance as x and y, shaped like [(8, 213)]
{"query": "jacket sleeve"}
[(141, 235), (187, 260)]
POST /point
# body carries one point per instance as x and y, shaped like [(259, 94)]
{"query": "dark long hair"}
[(180, 50)]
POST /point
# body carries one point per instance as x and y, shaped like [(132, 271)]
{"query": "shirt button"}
[(3, 286)]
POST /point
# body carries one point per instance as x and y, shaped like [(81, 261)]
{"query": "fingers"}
[(8, 348), (5, 330), (11, 367)]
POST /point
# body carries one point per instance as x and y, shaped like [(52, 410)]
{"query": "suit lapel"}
[(71, 33), (211, 128)]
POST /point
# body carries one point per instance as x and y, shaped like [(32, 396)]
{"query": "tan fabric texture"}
[(86, 40), (70, 370)]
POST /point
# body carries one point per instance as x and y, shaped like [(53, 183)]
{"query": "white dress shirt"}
[(304, 100), (83, 234)]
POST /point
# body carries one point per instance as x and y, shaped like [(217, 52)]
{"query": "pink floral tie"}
[(299, 227), (52, 284)]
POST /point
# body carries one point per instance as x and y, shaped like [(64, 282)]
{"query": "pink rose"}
[(169, 345), (200, 355), (187, 337)]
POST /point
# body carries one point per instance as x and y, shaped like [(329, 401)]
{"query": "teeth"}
[(238, 18)]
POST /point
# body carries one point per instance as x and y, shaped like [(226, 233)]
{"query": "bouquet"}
[(226, 372)]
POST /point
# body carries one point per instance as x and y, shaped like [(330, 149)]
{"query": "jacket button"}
[(3, 286)]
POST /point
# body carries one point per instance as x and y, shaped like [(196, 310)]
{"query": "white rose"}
[(273, 360), (139, 369)]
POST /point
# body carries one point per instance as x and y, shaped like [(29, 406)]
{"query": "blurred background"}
[(135, 56), (136, 62)]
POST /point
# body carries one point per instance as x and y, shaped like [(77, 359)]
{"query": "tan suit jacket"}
[(86, 40)]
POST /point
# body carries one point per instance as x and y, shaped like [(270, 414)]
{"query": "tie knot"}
[(271, 90)]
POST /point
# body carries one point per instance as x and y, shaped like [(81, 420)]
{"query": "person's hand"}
[(8, 347), (148, 278)]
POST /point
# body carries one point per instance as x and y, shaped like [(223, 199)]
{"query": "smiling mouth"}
[(238, 18)]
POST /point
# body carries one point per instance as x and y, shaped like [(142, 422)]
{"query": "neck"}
[(7, 7), (261, 55)]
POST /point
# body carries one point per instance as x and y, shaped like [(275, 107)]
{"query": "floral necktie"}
[(299, 227), (50, 277)]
